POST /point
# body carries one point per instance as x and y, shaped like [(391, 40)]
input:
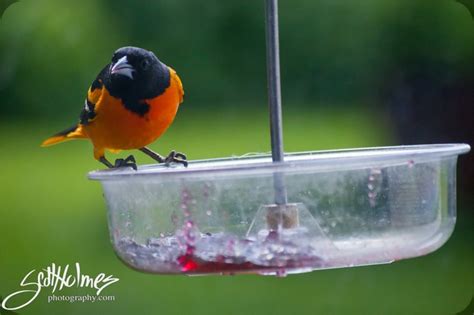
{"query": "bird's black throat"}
[(144, 86)]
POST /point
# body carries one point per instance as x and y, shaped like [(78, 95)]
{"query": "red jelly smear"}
[(194, 265)]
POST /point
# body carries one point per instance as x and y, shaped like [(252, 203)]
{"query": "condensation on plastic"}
[(345, 208)]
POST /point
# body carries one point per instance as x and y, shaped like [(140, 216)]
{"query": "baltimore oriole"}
[(133, 100)]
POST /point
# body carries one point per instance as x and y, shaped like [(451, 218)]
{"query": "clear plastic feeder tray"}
[(345, 208)]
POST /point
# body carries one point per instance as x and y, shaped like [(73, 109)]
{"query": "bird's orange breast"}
[(117, 128)]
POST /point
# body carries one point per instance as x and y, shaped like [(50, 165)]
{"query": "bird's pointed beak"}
[(122, 67)]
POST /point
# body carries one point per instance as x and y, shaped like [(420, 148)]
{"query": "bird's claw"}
[(176, 157), (127, 162)]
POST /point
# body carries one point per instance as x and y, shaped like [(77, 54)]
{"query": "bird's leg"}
[(128, 161), (106, 162), (155, 156), (172, 157)]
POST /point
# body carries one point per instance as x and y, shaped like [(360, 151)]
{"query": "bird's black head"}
[(135, 73)]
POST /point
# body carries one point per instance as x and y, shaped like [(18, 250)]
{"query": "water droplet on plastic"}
[(376, 171), (174, 219), (372, 194)]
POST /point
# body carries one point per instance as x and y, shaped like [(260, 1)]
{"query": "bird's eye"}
[(114, 57), (144, 64)]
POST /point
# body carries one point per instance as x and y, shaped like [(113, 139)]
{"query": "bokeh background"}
[(354, 73)]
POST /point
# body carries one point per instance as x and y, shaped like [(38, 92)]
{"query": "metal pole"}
[(274, 95)]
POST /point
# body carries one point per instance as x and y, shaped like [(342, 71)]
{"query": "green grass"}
[(50, 213)]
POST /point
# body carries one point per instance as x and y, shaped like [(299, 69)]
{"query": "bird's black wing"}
[(94, 93)]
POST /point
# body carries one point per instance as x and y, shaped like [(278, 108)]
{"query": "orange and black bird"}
[(131, 103)]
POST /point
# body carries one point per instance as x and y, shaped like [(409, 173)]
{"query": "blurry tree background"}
[(354, 73), (334, 53)]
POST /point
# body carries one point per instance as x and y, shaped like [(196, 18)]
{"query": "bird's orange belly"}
[(117, 128)]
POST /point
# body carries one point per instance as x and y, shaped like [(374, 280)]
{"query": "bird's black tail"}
[(74, 132)]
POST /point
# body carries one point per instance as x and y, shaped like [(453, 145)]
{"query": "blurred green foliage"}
[(340, 58), (337, 52)]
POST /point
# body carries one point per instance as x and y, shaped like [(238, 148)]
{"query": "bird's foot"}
[(173, 157), (176, 157), (127, 162)]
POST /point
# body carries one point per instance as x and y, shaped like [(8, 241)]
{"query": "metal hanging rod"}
[(273, 75), (274, 95)]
